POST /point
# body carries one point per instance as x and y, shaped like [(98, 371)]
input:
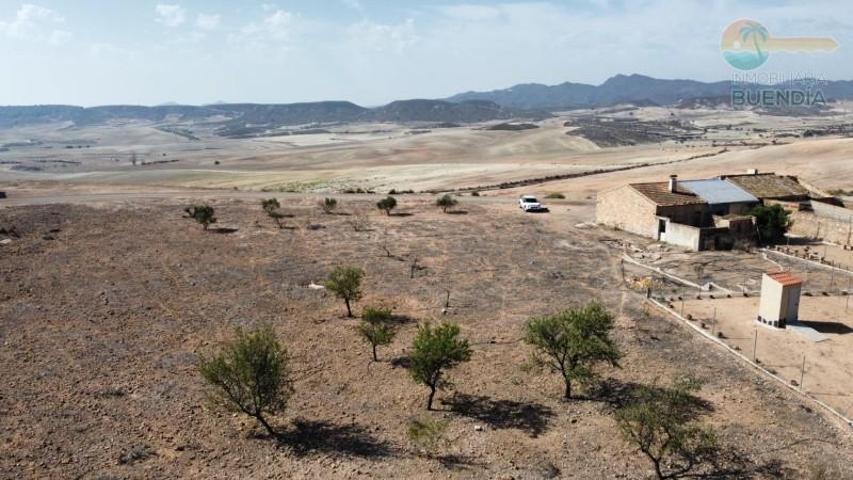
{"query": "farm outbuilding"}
[(780, 299), (695, 214)]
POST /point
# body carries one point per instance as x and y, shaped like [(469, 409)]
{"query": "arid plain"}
[(108, 296)]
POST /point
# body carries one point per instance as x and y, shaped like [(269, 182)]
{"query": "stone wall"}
[(626, 209), (809, 225)]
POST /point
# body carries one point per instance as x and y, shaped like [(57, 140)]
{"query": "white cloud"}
[(382, 37), (208, 21), (170, 15), (33, 22), (279, 27)]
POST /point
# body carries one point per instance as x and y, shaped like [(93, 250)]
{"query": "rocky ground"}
[(104, 311)]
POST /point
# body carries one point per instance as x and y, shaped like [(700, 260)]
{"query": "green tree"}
[(387, 204), (272, 208), (574, 341), (446, 201), (771, 222), (345, 282), (660, 423), (434, 350), (270, 205), (250, 374), (375, 327), (202, 214), (329, 205)]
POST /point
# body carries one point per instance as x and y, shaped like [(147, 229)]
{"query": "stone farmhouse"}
[(705, 214)]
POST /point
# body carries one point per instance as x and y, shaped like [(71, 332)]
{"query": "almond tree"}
[(202, 214), (446, 201), (250, 374), (345, 282), (660, 423), (375, 327), (572, 342), (435, 350), (387, 204)]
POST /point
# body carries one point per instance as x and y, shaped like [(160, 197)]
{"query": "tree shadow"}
[(458, 462), (457, 212), (728, 463), (618, 394), (309, 436), (223, 230), (531, 418), (722, 461), (402, 319), (401, 362), (401, 214)]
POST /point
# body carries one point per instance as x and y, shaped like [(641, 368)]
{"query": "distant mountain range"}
[(633, 89), (252, 119), (529, 101)]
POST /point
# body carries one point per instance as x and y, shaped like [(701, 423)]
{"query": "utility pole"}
[(802, 372)]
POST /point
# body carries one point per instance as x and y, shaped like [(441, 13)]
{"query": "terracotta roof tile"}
[(658, 192), (785, 278)]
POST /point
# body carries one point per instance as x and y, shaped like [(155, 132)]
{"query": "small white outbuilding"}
[(780, 299)]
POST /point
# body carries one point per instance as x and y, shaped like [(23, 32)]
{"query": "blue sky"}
[(94, 52)]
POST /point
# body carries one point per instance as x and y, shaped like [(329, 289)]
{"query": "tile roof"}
[(658, 192), (716, 191), (785, 278), (769, 185)]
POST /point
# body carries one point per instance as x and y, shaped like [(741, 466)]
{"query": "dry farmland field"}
[(110, 296), (105, 309)]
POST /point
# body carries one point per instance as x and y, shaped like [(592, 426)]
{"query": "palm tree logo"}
[(746, 44), (755, 31)]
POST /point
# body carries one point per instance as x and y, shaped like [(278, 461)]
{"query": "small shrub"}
[(250, 374), (345, 282), (387, 204), (555, 196), (272, 208), (446, 201), (329, 205), (270, 205), (375, 327), (203, 214), (359, 223), (136, 454), (475, 193), (427, 434)]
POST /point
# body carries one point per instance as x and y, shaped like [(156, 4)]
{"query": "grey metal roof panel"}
[(716, 191)]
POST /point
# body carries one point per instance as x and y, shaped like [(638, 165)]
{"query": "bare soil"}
[(828, 363), (104, 311)]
